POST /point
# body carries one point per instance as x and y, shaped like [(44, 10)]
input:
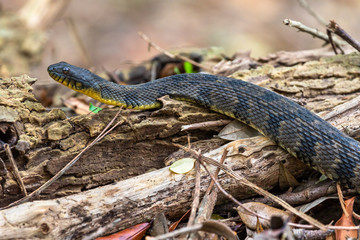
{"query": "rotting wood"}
[(138, 199), (48, 140)]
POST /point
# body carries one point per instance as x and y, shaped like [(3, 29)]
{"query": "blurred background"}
[(92, 33)]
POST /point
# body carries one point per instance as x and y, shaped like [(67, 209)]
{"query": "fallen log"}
[(44, 141)]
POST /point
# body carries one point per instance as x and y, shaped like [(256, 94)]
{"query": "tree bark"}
[(44, 141)]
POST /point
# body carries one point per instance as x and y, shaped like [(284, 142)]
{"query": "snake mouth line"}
[(70, 83)]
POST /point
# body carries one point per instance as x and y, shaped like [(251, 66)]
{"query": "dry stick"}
[(177, 232), (188, 139), (196, 201), (308, 8), (341, 199), (228, 195), (3, 166), (222, 160), (260, 216), (186, 59), (342, 108), (15, 168), (307, 195), (355, 215), (314, 32), (335, 28), (257, 189), (205, 125), (208, 202), (331, 40), (67, 166), (210, 226)]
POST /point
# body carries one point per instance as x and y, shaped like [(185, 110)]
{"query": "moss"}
[(58, 130), (43, 118), (74, 142)]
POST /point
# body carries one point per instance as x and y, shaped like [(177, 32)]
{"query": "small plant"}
[(188, 67), (94, 109)]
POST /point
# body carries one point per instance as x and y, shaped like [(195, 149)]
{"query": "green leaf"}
[(188, 67), (94, 109), (177, 70), (183, 165)]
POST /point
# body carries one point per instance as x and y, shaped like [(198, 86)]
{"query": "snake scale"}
[(299, 131)]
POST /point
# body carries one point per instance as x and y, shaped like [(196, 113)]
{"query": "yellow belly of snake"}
[(296, 129)]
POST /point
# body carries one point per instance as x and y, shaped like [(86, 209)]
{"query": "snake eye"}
[(65, 70)]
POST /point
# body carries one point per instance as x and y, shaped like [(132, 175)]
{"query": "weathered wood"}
[(48, 140), (138, 199)]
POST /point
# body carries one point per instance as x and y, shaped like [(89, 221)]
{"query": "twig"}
[(256, 188), (335, 28), (266, 194), (206, 206), (3, 166), (307, 195), (314, 32), (177, 232), (308, 8), (340, 109), (208, 202), (311, 234), (210, 226), (222, 160), (355, 215), (331, 40), (196, 201), (228, 195), (205, 125), (265, 218), (341, 199), (188, 140), (186, 59), (68, 165), (15, 168)]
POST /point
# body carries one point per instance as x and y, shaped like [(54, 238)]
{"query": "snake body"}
[(299, 131)]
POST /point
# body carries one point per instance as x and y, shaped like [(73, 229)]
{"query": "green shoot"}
[(94, 109)]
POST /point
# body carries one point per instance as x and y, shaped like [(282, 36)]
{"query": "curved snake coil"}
[(299, 131)]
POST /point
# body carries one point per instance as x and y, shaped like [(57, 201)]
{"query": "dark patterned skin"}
[(296, 129)]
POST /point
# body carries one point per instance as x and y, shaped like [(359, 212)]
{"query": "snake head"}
[(78, 79)]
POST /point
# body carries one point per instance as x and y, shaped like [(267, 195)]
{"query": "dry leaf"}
[(77, 105), (286, 179), (306, 207), (259, 227), (346, 222), (173, 226), (136, 232), (237, 130), (261, 209)]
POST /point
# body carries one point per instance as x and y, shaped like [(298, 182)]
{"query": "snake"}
[(297, 130)]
